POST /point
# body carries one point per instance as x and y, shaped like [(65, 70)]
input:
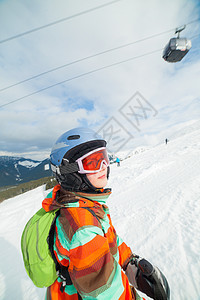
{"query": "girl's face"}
[(99, 179)]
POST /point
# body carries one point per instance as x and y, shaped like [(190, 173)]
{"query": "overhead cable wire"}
[(84, 58), (90, 56), (66, 19), (78, 76), (84, 74), (194, 36), (194, 21), (58, 21)]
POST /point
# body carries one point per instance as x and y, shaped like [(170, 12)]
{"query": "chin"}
[(103, 183)]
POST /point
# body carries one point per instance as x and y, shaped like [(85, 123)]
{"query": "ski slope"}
[(155, 208)]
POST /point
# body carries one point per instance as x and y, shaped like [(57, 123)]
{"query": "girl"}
[(98, 264)]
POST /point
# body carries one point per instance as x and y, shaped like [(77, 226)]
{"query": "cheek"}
[(92, 177), (97, 182)]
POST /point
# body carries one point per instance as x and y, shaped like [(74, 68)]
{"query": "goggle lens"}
[(93, 161)]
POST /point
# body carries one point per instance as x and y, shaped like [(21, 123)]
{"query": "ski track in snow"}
[(155, 208)]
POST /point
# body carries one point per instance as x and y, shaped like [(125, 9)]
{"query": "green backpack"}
[(37, 250), (38, 261)]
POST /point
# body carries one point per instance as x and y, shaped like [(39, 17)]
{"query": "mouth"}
[(101, 177)]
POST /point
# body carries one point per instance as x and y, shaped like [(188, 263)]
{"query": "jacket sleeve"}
[(125, 253)]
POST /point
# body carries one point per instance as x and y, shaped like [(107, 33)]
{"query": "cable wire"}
[(194, 36), (78, 76), (86, 73), (194, 21), (85, 58), (57, 22), (90, 56), (83, 74)]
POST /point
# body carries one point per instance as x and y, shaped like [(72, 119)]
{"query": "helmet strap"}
[(88, 183)]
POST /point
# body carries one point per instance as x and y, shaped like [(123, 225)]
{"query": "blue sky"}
[(29, 127)]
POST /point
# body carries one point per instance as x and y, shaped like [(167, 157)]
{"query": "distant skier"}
[(118, 161), (166, 141)]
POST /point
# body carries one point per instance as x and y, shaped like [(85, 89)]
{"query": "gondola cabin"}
[(176, 49)]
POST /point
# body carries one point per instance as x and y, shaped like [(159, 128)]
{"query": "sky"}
[(130, 95)]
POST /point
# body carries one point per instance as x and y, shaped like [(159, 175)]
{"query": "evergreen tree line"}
[(12, 191)]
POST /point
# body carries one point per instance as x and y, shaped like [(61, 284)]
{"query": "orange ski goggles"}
[(92, 162)]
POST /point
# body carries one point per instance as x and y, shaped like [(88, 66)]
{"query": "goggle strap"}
[(69, 167)]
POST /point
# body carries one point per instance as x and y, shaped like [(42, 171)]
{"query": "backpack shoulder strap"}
[(50, 239), (62, 271), (93, 213)]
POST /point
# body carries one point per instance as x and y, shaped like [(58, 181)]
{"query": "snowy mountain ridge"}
[(15, 170), (29, 164), (19, 160)]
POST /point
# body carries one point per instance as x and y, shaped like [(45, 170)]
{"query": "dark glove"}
[(147, 279)]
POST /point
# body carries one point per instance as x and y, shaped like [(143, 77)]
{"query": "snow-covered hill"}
[(155, 207)]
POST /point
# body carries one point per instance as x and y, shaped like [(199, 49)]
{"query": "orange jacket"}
[(86, 242)]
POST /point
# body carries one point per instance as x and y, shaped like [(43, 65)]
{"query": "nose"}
[(103, 166)]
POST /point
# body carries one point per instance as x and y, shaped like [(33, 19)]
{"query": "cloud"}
[(37, 121)]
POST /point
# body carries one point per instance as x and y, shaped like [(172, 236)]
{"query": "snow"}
[(29, 164), (154, 207)]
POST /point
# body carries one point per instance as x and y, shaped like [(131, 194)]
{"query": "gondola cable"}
[(78, 76), (90, 56), (58, 21), (83, 59), (81, 75)]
